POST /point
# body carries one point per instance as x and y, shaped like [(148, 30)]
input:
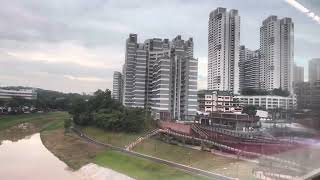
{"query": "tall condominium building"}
[(276, 48), (298, 74), (314, 70), (162, 77), (223, 52), (117, 86), (174, 87), (134, 73), (245, 55), (251, 71), (156, 48)]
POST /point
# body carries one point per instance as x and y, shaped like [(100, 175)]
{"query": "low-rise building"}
[(216, 101), (267, 101), (22, 93)]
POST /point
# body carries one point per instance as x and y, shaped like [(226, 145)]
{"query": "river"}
[(28, 159)]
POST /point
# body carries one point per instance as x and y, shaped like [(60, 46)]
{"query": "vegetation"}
[(251, 109), (196, 158), (7, 121), (46, 100), (276, 92), (102, 111), (139, 168), (183, 155), (119, 139)]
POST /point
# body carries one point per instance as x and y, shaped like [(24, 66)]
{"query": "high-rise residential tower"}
[(245, 55), (251, 68), (223, 52), (162, 77), (134, 73), (314, 70), (276, 48), (117, 86)]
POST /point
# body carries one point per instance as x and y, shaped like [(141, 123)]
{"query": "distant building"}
[(303, 93), (117, 86), (308, 95), (216, 101), (29, 94), (245, 54), (298, 75), (277, 52), (314, 70), (223, 50), (267, 101), (249, 68)]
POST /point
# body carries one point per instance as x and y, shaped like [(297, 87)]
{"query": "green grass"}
[(196, 158), (119, 139), (183, 155), (141, 169), (7, 121), (56, 124)]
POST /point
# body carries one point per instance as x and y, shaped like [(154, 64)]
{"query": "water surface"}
[(29, 159)]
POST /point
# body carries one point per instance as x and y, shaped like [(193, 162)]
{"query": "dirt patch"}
[(69, 148)]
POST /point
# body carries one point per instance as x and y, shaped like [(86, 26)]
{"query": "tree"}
[(280, 92), (250, 110)]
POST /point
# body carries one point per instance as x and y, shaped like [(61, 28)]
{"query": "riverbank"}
[(15, 127)]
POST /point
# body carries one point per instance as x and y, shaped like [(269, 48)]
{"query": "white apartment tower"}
[(223, 52), (161, 76), (117, 86), (276, 48), (134, 73)]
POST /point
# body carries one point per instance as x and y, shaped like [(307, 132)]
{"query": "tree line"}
[(275, 92), (102, 111)]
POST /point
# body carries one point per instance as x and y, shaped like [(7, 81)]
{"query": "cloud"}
[(76, 45), (83, 78)]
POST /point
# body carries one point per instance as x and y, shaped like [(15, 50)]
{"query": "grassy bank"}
[(39, 119), (76, 152), (196, 158), (69, 147), (119, 139), (141, 169)]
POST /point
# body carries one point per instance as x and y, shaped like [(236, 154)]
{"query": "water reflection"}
[(28, 159)]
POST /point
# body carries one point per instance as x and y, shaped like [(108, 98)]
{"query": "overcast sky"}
[(75, 45)]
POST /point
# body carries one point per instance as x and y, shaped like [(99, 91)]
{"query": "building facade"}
[(277, 48), (314, 69), (268, 101), (29, 94), (249, 68), (161, 76), (117, 86), (223, 52), (245, 54), (174, 87), (216, 101), (308, 95)]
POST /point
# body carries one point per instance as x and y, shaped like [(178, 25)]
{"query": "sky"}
[(75, 45)]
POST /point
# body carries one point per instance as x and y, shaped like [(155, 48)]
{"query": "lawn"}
[(119, 139), (196, 158), (7, 121), (141, 169)]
